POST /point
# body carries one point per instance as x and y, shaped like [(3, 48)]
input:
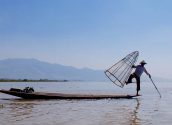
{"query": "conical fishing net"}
[(120, 72)]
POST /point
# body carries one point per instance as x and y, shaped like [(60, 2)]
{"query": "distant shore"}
[(31, 80)]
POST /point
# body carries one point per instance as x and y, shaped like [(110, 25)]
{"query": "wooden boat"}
[(43, 95)]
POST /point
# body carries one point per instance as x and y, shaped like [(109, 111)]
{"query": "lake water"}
[(147, 109)]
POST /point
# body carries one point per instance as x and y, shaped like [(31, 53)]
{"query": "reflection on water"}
[(20, 110), (135, 118), (71, 112), (125, 114)]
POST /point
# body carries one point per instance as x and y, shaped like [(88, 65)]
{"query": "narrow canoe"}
[(44, 95)]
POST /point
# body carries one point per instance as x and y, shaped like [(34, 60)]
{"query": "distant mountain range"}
[(35, 69)]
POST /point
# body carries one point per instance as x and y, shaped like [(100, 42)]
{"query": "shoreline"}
[(30, 80)]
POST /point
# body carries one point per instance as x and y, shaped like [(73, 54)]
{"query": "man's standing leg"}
[(138, 85)]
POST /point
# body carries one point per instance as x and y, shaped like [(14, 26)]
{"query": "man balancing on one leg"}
[(137, 74)]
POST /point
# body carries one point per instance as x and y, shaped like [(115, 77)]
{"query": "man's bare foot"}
[(138, 94)]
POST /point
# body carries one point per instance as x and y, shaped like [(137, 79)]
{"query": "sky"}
[(88, 33)]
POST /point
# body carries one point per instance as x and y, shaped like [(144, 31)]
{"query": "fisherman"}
[(137, 74)]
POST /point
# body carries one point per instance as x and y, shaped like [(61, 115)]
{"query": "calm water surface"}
[(147, 109)]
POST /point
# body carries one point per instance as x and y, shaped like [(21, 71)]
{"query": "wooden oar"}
[(155, 87)]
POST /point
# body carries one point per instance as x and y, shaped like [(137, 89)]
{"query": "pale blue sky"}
[(88, 33)]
